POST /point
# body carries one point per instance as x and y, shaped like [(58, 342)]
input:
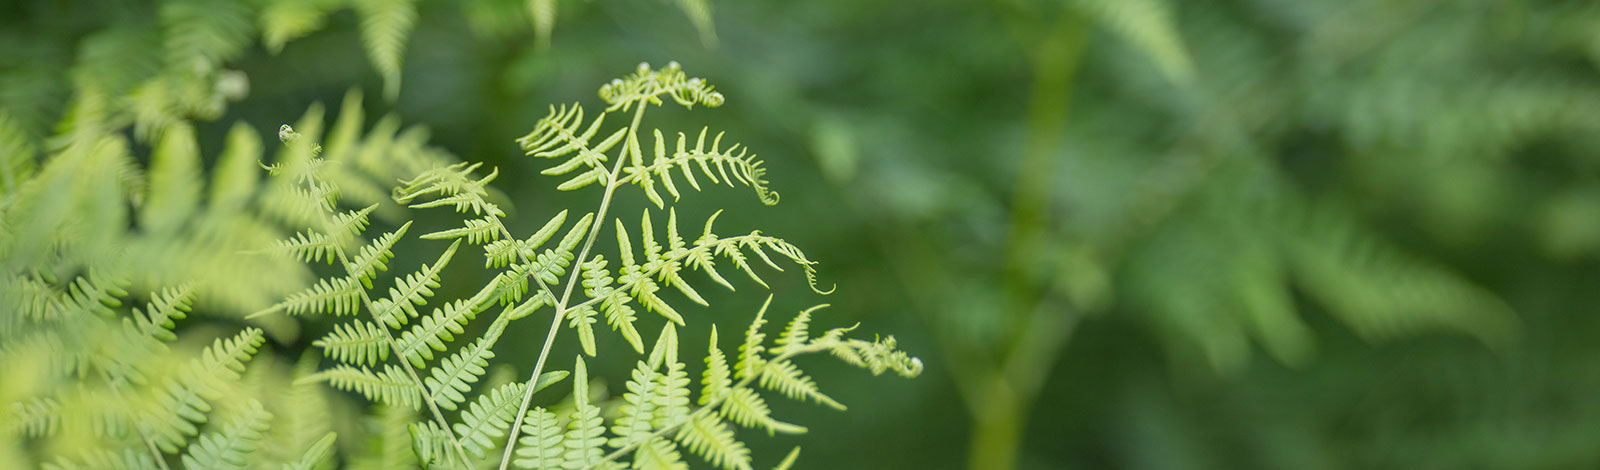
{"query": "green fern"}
[(655, 419)]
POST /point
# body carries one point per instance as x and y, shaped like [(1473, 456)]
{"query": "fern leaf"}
[(486, 420), (582, 319), (541, 446), (430, 334), (306, 247), (455, 375), (356, 343), (286, 21), (375, 256), (230, 448), (543, 13), (384, 27), (412, 291), (476, 231), (1150, 26), (339, 296), (746, 169), (392, 386), (750, 362), (788, 461), (786, 378), (18, 155), (597, 285), (174, 181), (716, 380), (557, 135), (645, 86), (234, 180), (658, 454), (390, 447), (709, 437), (585, 428), (184, 401), (206, 33), (798, 333), (746, 408), (699, 12), (314, 455), (348, 225), (672, 402), (634, 420)]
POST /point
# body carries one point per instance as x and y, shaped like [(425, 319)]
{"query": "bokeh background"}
[(1143, 234)]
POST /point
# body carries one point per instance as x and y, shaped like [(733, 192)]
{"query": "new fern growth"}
[(406, 350)]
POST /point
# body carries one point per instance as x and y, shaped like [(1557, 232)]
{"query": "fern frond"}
[(211, 32), (181, 402), (229, 448), (430, 334), (750, 362), (557, 135), (699, 12), (455, 375), (337, 296), (706, 435), (585, 428), (392, 386), (357, 342), (634, 420), (314, 455), (717, 379), (286, 21), (390, 445), (658, 454), (385, 24), (375, 256), (486, 420), (798, 332), (597, 285), (306, 247), (476, 231), (174, 181), (542, 445), (411, 291), (746, 408), (789, 460), (647, 86), (746, 169), (786, 378), (543, 13)]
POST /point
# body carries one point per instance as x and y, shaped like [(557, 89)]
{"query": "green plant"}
[(110, 387), (658, 402)]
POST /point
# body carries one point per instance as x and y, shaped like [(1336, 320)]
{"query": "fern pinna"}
[(400, 352)]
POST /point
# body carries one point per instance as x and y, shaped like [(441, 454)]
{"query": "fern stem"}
[(572, 281), (366, 300)]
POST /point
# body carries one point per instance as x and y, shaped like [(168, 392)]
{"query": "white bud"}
[(644, 67), (286, 133), (672, 65)]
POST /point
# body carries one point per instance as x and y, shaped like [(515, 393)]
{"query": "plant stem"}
[(572, 280)]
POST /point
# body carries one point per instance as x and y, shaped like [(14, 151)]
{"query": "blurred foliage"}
[(1091, 213)]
